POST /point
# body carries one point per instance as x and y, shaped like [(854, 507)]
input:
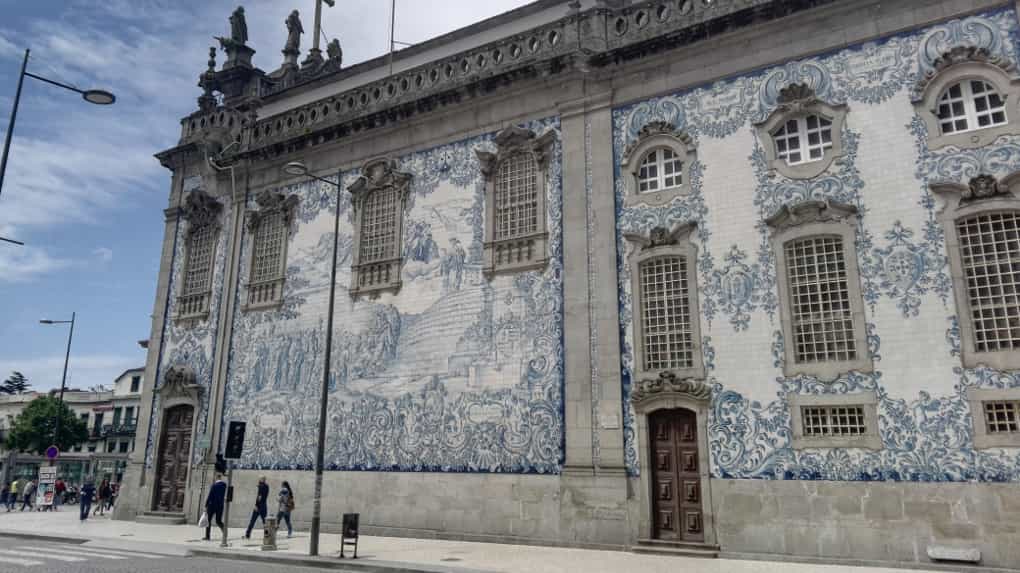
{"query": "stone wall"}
[(867, 521)]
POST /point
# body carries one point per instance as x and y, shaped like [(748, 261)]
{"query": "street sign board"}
[(235, 441), (46, 488)]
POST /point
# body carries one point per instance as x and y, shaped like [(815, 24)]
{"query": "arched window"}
[(267, 262), (969, 105), (202, 214), (803, 139), (661, 168), (379, 197)]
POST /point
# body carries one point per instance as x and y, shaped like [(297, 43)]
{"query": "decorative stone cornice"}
[(379, 173), (179, 385), (512, 140), (660, 236), (271, 202), (667, 384), (961, 55), (201, 210), (810, 212), (602, 36), (983, 186)]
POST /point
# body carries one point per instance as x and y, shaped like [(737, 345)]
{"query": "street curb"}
[(782, 558), (39, 537), (361, 566)]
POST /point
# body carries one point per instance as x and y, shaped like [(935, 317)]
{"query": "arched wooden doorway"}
[(676, 476), (174, 453)]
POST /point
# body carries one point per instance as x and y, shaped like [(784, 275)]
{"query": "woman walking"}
[(286, 498), (104, 494)]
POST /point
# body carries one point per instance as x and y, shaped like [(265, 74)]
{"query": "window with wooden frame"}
[(982, 228), (667, 332), (269, 227), (657, 165), (379, 197), (968, 99), (516, 185), (201, 213), (801, 137), (819, 287)]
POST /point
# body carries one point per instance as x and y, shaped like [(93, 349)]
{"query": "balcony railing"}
[(127, 429)]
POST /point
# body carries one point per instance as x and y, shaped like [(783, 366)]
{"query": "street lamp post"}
[(297, 168), (63, 379), (99, 97)]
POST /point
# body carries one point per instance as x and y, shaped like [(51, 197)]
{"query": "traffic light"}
[(235, 440)]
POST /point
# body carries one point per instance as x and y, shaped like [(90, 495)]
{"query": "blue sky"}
[(82, 189)]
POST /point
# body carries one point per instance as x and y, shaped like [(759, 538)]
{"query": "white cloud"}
[(24, 264), (83, 371), (104, 254)]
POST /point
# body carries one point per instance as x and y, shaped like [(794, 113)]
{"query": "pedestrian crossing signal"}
[(235, 440)]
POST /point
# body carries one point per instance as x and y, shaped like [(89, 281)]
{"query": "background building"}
[(736, 275), (111, 417)]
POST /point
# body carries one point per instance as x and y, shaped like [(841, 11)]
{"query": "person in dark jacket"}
[(214, 504), (85, 497), (104, 495), (260, 510)]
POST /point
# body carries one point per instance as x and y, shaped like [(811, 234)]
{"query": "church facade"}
[(725, 277)]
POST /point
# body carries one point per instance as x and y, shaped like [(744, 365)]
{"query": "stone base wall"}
[(537, 509), (880, 521)]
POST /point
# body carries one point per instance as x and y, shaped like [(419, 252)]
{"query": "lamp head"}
[(99, 97), (45, 321), (295, 168)]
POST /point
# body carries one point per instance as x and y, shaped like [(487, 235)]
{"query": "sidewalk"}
[(400, 553)]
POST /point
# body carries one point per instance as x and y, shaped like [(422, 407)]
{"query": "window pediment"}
[(201, 210), (662, 237), (271, 202), (790, 216), (802, 136)]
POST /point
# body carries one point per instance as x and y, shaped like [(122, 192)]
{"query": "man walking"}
[(12, 497), (260, 506), (214, 504), (29, 493), (85, 497)]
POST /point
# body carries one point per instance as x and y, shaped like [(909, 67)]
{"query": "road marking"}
[(36, 555), (125, 553), (76, 551), (16, 561)]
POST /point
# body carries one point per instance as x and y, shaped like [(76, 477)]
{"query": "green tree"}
[(16, 383), (33, 429)]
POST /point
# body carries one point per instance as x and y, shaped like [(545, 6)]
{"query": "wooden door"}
[(172, 472), (676, 483)]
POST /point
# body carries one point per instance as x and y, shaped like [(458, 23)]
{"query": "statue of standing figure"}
[(238, 26), (294, 31)]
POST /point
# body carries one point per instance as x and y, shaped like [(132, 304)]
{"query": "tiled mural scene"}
[(628, 275)]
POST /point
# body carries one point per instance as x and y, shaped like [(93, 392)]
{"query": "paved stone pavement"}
[(453, 556)]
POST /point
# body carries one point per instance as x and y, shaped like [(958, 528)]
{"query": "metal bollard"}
[(269, 535)]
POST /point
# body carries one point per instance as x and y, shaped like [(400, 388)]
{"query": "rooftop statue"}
[(238, 26), (294, 31), (334, 51)]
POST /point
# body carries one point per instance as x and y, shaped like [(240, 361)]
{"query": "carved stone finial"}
[(661, 236), (795, 93), (668, 383), (982, 187), (294, 31), (212, 59), (201, 210)]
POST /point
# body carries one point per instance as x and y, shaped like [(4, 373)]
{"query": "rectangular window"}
[(84, 418), (198, 275), (116, 416), (98, 427), (378, 240), (665, 314), (110, 447), (833, 421), (820, 311), (92, 447), (1002, 416), (990, 255), (124, 447), (136, 383), (516, 207), (270, 234), (129, 415)]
